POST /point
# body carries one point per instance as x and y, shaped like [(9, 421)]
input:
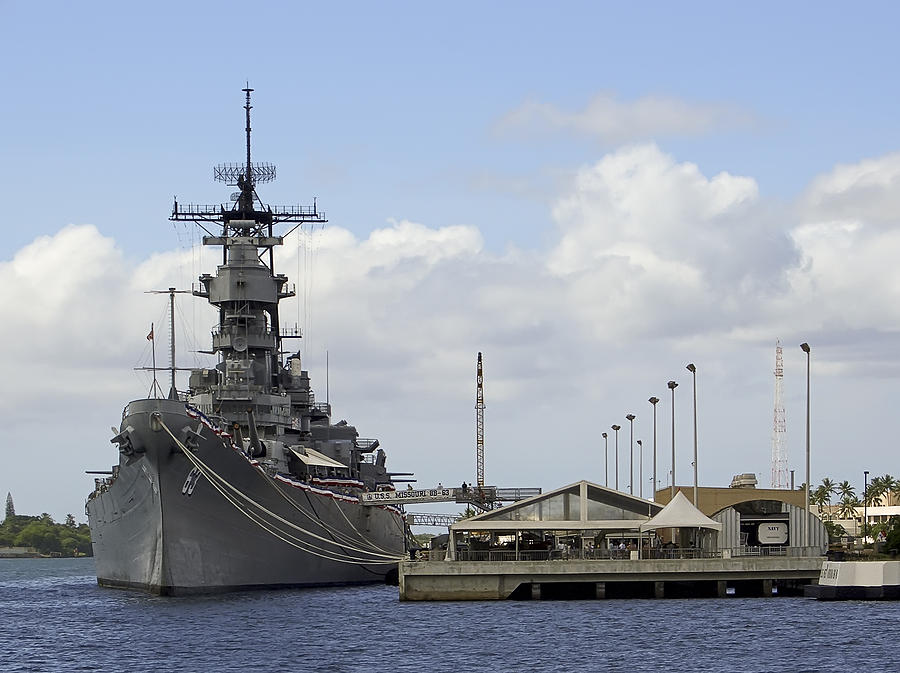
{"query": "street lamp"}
[(805, 348), (672, 386), (640, 468), (693, 370), (617, 428), (606, 456), (654, 401), (630, 418), (865, 503)]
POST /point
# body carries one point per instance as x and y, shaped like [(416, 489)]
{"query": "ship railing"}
[(295, 210), (199, 208), (515, 494), (218, 330)]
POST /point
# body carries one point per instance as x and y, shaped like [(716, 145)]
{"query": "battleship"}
[(243, 481)]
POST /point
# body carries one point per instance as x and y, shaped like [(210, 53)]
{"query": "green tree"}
[(829, 489), (10, 507), (40, 535), (847, 506), (845, 491), (468, 514), (835, 531), (818, 497), (890, 486), (879, 486), (872, 494), (70, 521), (892, 543)]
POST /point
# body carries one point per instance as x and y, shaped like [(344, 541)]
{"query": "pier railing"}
[(596, 554), (572, 554)]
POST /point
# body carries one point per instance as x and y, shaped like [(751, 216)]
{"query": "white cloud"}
[(849, 233), (647, 239), (612, 120), (655, 265), (867, 191)]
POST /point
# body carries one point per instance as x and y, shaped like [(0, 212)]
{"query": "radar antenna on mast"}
[(248, 207)]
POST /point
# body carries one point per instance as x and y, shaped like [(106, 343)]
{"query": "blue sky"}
[(556, 162), (390, 110)]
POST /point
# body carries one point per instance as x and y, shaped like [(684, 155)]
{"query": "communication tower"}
[(779, 447), (479, 424)]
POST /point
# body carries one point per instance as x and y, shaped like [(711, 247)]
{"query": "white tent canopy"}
[(313, 457), (680, 513)]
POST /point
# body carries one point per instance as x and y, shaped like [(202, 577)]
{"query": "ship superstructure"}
[(243, 481)]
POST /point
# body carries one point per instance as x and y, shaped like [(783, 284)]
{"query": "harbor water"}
[(53, 617)]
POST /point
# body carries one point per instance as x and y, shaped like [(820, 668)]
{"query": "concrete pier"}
[(857, 580), (660, 578)]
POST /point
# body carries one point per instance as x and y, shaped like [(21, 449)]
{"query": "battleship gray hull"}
[(242, 480), (160, 528)]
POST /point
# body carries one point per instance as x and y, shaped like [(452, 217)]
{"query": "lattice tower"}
[(479, 423), (779, 447)]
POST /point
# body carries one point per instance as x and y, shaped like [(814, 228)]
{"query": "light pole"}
[(606, 456), (865, 503), (672, 386), (640, 468), (805, 348), (693, 370), (630, 418), (654, 401), (617, 428)]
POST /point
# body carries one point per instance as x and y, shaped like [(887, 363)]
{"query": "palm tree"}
[(818, 497), (845, 490), (830, 489), (872, 495), (891, 487), (847, 506), (879, 486)]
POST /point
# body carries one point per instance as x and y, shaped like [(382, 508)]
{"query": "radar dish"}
[(231, 173)]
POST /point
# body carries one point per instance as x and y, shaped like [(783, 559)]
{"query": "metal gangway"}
[(431, 519), (483, 497)]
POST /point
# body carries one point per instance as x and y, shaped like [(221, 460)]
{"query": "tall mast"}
[(246, 290), (248, 107), (172, 393)]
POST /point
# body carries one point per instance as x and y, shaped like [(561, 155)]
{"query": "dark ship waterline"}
[(243, 482)]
